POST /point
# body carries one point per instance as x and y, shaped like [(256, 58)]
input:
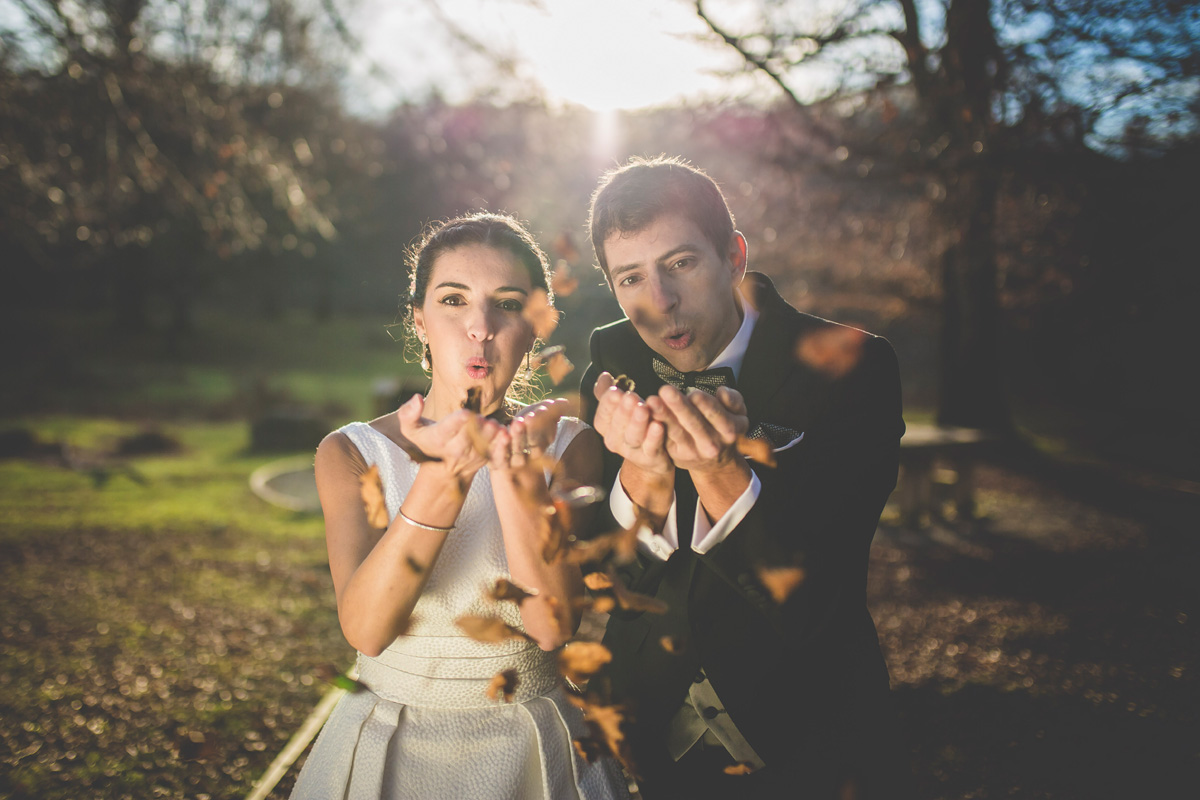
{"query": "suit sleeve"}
[(819, 507)]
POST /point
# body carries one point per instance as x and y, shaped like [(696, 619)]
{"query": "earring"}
[(427, 359), (528, 365)]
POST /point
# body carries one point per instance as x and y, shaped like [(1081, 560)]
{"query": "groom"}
[(764, 678)]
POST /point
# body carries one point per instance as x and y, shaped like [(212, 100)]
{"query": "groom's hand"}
[(702, 429), (629, 429)]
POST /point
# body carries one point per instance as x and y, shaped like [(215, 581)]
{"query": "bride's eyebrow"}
[(462, 287)]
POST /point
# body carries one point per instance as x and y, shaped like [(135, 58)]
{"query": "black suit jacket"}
[(804, 681)]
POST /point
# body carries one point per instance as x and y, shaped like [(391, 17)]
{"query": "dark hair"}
[(499, 231), (631, 197)]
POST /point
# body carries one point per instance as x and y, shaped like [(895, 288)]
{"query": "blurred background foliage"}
[(201, 226)]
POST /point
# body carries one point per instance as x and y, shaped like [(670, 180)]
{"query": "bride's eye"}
[(452, 300), (510, 305)]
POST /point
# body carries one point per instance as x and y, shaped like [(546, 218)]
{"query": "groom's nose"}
[(663, 294)]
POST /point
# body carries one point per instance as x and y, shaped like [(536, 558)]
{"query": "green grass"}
[(136, 615)]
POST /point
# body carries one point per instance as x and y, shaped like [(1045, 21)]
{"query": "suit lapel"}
[(769, 357)]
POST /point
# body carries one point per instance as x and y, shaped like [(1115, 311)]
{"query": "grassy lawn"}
[(160, 629)]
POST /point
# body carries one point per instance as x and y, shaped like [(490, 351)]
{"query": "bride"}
[(464, 490)]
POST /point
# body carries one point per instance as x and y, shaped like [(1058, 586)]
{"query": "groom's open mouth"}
[(679, 339)]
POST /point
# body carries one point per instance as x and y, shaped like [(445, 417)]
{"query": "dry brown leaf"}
[(740, 768), (564, 248), (675, 645), (503, 685), (474, 400), (579, 661), (632, 601), (414, 565), (620, 544), (600, 604), (624, 383), (590, 749), (558, 367), (563, 282), (597, 581), (781, 581), (834, 350), (332, 675), (540, 314), (489, 629), (605, 727), (504, 589), (756, 450), (371, 489)]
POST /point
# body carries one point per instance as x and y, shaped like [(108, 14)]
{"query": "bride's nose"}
[(479, 325)]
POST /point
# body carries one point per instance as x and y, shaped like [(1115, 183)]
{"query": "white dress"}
[(424, 728)]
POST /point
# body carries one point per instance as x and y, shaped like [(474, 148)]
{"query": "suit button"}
[(711, 713), (699, 678)]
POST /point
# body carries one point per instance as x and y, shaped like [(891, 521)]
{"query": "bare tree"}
[(988, 81)]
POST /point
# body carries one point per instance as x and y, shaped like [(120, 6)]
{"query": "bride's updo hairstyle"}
[(499, 231)]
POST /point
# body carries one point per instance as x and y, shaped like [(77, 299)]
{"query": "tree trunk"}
[(971, 386)]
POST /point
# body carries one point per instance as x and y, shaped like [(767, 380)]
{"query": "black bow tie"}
[(708, 380)]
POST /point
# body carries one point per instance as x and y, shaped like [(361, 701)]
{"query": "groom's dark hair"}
[(632, 196)]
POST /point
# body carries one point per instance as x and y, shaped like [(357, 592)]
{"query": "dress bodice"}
[(434, 663)]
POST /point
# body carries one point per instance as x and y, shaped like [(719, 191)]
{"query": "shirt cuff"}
[(655, 545), (706, 535)]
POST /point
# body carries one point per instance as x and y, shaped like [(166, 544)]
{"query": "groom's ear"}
[(738, 255)]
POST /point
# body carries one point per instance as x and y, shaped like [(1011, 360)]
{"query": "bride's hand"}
[(461, 441), (525, 441)]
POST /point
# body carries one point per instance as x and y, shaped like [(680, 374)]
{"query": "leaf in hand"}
[(504, 589), (781, 581), (371, 489), (489, 629), (624, 383), (503, 685), (540, 314), (579, 661), (756, 450)]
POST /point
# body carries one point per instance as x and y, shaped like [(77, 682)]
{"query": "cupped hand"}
[(701, 429), (524, 442), (629, 428), (460, 442)]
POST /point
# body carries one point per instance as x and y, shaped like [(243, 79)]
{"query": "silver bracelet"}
[(422, 525)]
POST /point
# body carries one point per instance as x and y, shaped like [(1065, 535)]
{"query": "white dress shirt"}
[(705, 535)]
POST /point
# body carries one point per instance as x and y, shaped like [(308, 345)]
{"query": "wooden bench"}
[(931, 454)]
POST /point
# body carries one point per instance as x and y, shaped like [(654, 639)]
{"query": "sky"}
[(615, 54)]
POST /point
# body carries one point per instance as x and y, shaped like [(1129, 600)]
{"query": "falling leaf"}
[(195, 746), (414, 565), (489, 629), (605, 727), (371, 489), (504, 589), (621, 545), (740, 768), (540, 314), (756, 450), (600, 605), (330, 674), (564, 248), (632, 601), (563, 282), (624, 383), (503, 685), (675, 645), (473, 400), (590, 749), (834, 350), (781, 581), (555, 360), (579, 661), (597, 581)]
